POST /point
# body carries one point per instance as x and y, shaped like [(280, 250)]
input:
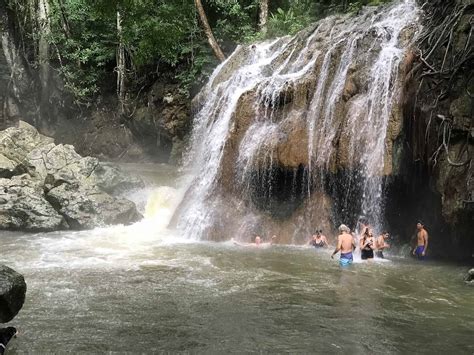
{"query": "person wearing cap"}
[(422, 241), (380, 244)]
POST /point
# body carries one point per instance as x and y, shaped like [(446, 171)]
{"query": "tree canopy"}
[(157, 36)]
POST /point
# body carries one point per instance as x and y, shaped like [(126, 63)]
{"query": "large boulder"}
[(86, 207), (63, 163), (58, 188), (23, 206), (12, 293)]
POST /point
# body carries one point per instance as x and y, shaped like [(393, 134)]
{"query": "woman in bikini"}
[(319, 240), (367, 244)]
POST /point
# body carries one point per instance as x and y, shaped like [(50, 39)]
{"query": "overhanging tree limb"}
[(207, 30)]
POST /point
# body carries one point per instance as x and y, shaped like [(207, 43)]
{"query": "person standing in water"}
[(319, 240), (380, 244), (422, 241), (367, 245), (345, 244)]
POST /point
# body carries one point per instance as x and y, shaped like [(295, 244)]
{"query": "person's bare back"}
[(345, 242), (345, 245)]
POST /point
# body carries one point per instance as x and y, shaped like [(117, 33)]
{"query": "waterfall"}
[(279, 120)]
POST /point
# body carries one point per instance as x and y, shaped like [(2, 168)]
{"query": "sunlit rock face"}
[(280, 119), (46, 187)]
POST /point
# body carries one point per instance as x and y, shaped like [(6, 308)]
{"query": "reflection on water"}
[(121, 289)]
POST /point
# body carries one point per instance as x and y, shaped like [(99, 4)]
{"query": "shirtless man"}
[(422, 241), (345, 244), (380, 244)]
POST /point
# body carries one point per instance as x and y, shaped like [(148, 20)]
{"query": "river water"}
[(145, 288)]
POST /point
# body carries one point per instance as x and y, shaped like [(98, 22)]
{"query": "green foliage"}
[(157, 34), (298, 15), (234, 20), (83, 44)]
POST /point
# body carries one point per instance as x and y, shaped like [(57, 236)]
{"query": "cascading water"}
[(279, 120)]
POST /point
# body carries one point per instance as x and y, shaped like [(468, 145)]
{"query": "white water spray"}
[(340, 82)]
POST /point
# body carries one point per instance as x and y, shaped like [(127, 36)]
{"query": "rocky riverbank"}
[(45, 187)]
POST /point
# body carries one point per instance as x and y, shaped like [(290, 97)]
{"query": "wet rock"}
[(111, 179), (461, 111), (9, 168), (470, 277), (12, 293), (63, 163), (23, 206), (60, 188), (86, 207), (16, 142), (164, 122)]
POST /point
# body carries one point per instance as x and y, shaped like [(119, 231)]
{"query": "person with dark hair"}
[(367, 245), (380, 244), (257, 241), (422, 241), (5, 336), (319, 240)]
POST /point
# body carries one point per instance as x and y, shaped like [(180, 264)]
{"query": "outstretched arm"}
[(338, 247)]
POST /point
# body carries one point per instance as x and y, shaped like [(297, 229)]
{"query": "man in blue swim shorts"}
[(422, 241), (345, 244)]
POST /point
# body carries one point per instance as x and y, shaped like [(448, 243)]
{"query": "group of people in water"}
[(347, 242), (368, 244)]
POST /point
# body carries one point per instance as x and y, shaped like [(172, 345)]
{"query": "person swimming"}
[(346, 245), (319, 240), (257, 242)]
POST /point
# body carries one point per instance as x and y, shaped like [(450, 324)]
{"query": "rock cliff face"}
[(281, 121), (46, 187), (436, 174)]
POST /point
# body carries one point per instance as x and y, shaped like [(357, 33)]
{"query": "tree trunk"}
[(43, 58), (64, 20), (263, 16), (207, 30), (121, 66), (16, 93)]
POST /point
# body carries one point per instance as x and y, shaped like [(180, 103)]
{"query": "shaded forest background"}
[(82, 41)]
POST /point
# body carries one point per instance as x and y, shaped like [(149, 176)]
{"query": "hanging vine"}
[(441, 67)]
